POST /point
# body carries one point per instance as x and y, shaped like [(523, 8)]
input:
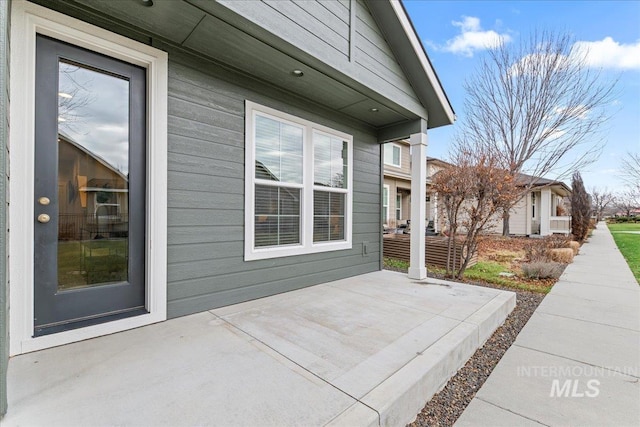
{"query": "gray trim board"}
[(401, 130)]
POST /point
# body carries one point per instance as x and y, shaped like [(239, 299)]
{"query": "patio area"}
[(368, 350)]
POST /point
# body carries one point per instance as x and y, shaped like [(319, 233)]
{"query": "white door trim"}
[(27, 19)]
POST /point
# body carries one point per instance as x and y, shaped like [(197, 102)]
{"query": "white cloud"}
[(608, 53), (473, 38)]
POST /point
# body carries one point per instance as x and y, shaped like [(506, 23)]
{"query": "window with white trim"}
[(392, 154), (533, 205), (298, 185), (398, 207), (385, 204)]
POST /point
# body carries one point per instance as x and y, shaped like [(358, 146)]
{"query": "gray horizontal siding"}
[(326, 35), (375, 55), (321, 29), (206, 267), (206, 194)]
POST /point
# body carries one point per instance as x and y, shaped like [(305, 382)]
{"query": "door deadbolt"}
[(44, 201), (43, 218)]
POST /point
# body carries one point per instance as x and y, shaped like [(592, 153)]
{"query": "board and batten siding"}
[(5, 7), (206, 267)]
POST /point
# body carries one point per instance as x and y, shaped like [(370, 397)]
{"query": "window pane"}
[(392, 154), (330, 161), (93, 177), (321, 203), (388, 153), (277, 216), (278, 150), (329, 216), (321, 159), (396, 155)]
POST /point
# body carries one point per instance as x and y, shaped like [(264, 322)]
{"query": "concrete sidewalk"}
[(577, 361), (365, 351)]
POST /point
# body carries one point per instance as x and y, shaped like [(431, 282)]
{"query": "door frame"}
[(27, 19)]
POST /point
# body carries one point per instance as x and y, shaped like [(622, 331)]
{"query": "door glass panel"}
[(93, 177)]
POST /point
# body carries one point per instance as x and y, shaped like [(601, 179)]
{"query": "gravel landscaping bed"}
[(445, 407)]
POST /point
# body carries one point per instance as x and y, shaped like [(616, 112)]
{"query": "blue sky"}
[(455, 34)]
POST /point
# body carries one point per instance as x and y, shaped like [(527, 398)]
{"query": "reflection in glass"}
[(329, 161), (278, 151), (93, 184)]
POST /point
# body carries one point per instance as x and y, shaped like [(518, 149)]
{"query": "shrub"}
[(539, 249), (562, 255), (556, 241), (536, 250), (580, 208), (575, 246), (542, 270)]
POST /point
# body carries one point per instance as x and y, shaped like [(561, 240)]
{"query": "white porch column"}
[(545, 211), (418, 141)]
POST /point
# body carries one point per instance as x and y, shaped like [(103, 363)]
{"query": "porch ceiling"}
[(211, 29)]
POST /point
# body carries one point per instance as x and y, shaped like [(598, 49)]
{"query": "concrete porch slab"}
[(368, 350)]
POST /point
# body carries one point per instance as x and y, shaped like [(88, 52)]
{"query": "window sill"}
[(269, 253)]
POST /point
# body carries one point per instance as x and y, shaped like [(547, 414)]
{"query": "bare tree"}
[(601, 200), (472, 192), (539, 107), (628, 200), (630, 168)]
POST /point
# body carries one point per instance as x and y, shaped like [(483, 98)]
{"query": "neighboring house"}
[(396, 196), (247, 134), (542, 211), (93, 195)]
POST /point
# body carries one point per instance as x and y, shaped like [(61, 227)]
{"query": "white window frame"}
[(306, 246), (390, 162), (398, 206), (27, 20), (385, 207)]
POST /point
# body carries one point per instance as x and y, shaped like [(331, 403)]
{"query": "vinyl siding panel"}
[(518, 218), (206, 193), (206, 267), (322, 30), (5, 7)]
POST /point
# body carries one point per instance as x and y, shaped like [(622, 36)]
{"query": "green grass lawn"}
[(624, 226), (91, 262), (629, 245), (487, 272)]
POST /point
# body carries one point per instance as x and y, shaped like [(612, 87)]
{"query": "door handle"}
[(43, 218)]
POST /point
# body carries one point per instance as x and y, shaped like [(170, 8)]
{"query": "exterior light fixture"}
[(297, 73), (147, 3), (373, 110)]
